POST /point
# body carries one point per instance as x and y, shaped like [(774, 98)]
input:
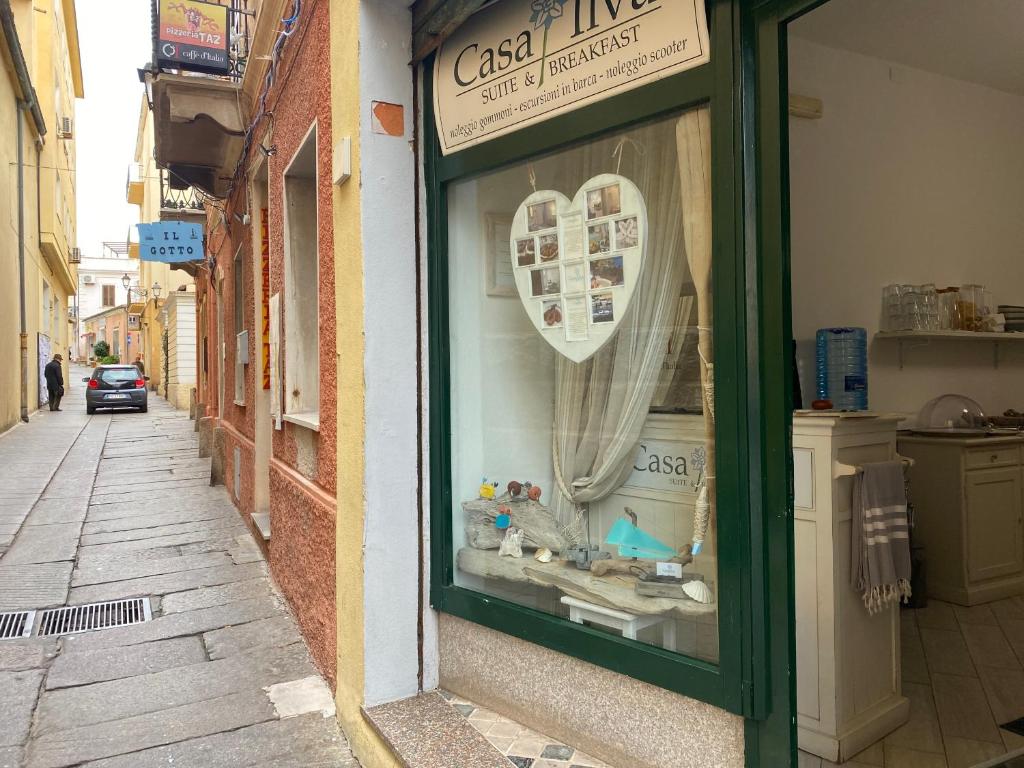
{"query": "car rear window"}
[(118, 375)]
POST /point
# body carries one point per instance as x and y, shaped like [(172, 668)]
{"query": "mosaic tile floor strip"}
[(523, 747)]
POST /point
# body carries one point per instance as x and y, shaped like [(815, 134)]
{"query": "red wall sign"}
[(265, 303)]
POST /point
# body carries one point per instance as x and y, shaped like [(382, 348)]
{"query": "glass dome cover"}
[(951, 413)]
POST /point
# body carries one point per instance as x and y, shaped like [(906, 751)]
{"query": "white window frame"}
[(300, 373), (238, 310)]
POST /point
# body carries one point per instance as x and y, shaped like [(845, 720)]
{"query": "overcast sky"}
[(115, 42)]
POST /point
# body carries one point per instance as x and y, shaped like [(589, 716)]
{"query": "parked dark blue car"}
[(116, 386)]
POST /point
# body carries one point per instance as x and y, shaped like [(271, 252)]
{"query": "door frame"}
[(762, 60)]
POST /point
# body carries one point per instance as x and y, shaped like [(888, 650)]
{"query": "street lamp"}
[(156, 290), (126, 281)]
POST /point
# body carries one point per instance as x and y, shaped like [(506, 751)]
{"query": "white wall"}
[(104, 271), (391, 533), (181, 347), (909, 177)]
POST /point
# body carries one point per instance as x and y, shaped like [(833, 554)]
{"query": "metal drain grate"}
[(84, 618), (18, 624)]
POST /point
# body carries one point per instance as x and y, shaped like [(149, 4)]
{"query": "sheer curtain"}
[(693, 141), (601, 404)]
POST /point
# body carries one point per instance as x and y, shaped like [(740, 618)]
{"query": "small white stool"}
[(626, 623)]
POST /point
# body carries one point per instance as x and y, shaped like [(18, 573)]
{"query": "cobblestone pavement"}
[(115, 506)]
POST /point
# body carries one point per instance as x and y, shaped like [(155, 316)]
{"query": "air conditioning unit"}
[(88, 279), (66, 125), (76, 256)]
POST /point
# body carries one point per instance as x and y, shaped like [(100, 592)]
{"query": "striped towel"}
[(880, 557)]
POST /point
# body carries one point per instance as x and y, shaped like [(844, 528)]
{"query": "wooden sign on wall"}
[(518, 62), (265, 290)]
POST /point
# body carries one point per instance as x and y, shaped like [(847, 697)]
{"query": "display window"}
[(582, 396)]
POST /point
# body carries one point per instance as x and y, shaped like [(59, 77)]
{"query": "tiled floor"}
[(523, 747), (963, 671)]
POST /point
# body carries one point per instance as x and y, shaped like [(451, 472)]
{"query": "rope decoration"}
[(701, 515), (617, 152)]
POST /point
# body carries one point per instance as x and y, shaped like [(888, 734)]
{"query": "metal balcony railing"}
[(177, 197)]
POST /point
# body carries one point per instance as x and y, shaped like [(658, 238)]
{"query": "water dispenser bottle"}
[(842, 370)]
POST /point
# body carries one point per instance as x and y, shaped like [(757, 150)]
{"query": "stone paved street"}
[(115, 506)]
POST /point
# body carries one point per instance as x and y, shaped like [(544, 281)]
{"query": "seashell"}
[(542, 555), (534, 493), (514, 488), (698, 590)]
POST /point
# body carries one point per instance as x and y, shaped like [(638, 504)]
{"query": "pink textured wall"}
[(243, 496), (302, 513), (302, 509), (302, 560), (304, 85)]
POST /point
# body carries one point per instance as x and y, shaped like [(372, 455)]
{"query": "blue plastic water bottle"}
[(842, 370)]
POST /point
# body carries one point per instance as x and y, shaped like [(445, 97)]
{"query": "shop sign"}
[(518, 62), (668, 465), (170, 242), (193, 36), (265, 290)]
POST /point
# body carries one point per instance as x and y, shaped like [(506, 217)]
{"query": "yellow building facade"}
[(40, 78), (151, 189)]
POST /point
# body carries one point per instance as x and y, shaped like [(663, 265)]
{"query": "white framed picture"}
[(498, 251)]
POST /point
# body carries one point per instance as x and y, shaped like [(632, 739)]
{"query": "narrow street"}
[(115, 506)]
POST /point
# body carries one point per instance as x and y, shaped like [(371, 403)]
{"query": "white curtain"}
[(601, 404), (693, 142)]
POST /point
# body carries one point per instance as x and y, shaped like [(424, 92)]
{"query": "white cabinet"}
[(968, 496), (848, 661)]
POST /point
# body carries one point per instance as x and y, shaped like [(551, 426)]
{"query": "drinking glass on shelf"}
[(912, 306), (956, 314), (891, 314), (946, 305), (971, 298), (929, 307)]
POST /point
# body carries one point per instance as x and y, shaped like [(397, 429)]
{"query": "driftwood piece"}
[(613, 591), (618, 565), (540, 529), (626, 565)]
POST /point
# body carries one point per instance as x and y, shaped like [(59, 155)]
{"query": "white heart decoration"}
[(577, 262)]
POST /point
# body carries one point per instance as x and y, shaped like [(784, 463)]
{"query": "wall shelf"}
[(995, 339)]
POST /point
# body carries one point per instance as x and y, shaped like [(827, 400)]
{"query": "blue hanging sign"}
[(171, 242)]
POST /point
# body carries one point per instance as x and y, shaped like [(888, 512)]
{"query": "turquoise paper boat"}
[(633, 542)]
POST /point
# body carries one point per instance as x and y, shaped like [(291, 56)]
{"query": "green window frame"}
[(742, 680)]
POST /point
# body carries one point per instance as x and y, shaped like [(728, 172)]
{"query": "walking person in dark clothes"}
[(54, 382), (140, 365)]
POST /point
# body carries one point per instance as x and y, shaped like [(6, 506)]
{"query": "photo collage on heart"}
[(580, 260)]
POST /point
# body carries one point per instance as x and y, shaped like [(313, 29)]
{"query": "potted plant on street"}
[(100, 350)]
